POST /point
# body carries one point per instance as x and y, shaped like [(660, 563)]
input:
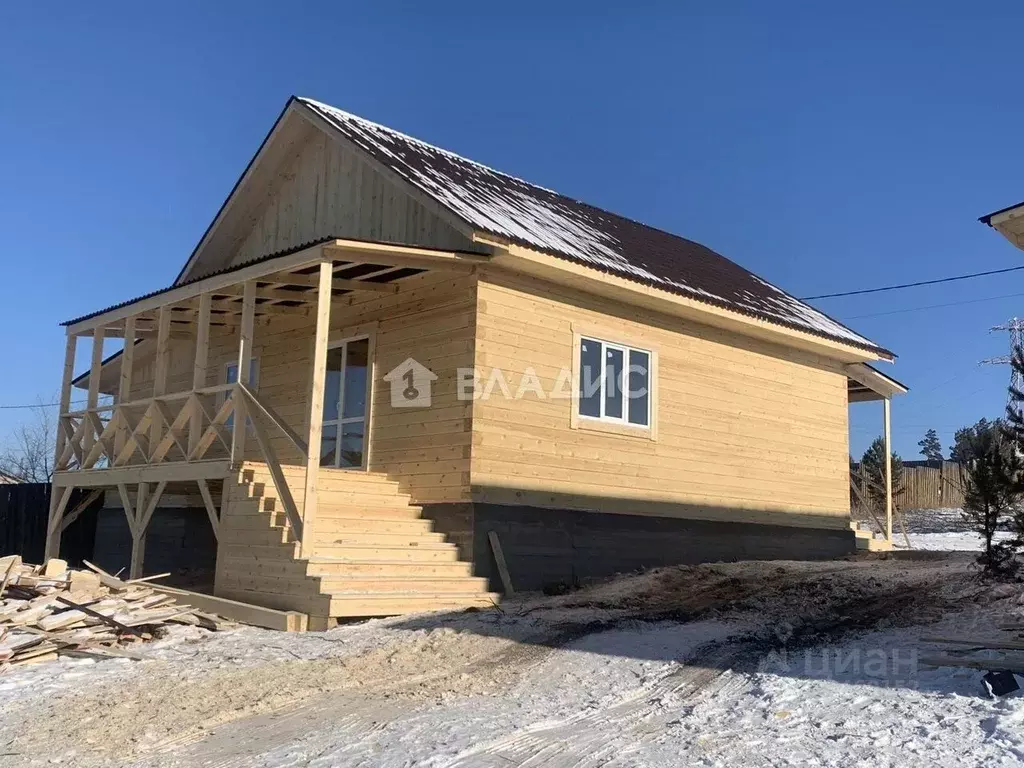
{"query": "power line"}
[(914, 285), (37, 405), (936, 306)]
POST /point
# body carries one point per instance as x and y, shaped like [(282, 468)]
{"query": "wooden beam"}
[(305, 257), (211, 508), (161, 366), (129, 510), (124, 387), (403, 256), (58, 503), (245, 613), (95, 369), (284, 493), (886, 428), (316, 406), (199, 373), (139, 534), (245, 342), (65, 393), (83, 505), (277, 420), (312, 281), (172, 471)]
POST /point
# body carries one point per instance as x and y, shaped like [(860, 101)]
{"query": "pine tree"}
[(990, 473), (961, 450), (931, 448), (873, 464)]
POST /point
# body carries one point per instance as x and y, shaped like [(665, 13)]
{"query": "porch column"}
[(59, 496), (199, 369), (316, 404), (887, 433), (124, 388), (160, 367), (238, 426), (93, 398)]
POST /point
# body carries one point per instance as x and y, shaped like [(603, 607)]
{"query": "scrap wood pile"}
[(51, 610)]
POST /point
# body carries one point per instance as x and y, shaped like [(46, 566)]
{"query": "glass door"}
[(343, 442)]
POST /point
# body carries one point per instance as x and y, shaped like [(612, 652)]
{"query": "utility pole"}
[(1015, 327)]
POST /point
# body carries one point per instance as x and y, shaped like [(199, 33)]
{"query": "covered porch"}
[(867, 384), (160, 432)]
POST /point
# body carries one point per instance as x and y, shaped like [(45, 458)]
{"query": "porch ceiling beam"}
[(340, 250), (311, 281)]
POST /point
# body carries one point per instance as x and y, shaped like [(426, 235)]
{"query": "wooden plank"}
[(92, 399), (124, 387), (245, 341), (199, 368), (316, 404), (58, 503), (65, 392), (211, 509), (234, 610), (887, 432), (1015, 665), (173, 471), (83, 505), (161, 366), (499, 559), (129, 510), (280, 481)]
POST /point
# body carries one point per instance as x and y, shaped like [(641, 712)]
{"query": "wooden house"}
[(381, 354)]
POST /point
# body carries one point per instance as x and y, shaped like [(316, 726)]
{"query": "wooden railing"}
[(183, 426), (180, 427)]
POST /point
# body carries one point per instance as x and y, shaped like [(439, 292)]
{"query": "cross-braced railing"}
[(183, 426)]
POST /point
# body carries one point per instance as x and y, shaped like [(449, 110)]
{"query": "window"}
[(614, 383), (231, 376)]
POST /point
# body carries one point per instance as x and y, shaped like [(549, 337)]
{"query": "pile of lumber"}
[(1002, 650), (52, 610)]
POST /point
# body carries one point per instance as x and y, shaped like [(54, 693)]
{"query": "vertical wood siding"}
[(328, 190), (747, 431)]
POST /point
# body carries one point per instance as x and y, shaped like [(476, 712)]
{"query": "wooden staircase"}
[(866, 540), (373, 553)]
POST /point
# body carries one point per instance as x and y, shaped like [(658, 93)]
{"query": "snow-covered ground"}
[(731, 664), (939, 530)]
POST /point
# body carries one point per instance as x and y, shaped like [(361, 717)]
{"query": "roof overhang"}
[(865, 383), (1009, 222)]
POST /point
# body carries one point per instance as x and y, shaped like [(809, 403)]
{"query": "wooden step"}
[(331, 525), (398, 603), (377, 539), (430, 586), (348, 498), (327, 567), (326, 511), (429, 553)]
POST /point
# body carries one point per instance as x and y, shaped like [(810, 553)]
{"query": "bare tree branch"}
[(28, 451)]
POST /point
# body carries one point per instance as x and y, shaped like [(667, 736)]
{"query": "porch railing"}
[(189, 426)]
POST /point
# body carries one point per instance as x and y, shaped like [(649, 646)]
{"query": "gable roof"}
[(535, 217)]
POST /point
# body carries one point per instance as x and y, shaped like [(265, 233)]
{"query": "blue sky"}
[(827, 148)]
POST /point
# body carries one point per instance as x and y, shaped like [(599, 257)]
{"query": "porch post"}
[(316, 404), (124, 388), (199, 369), (160, 367), (59, 496), (65, 395), (93, 397), (238, 426), (887, 432)]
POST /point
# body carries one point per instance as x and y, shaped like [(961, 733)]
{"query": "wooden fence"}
[(931, 486), (24, 508)]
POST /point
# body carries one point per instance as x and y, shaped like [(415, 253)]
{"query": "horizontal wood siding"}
[(746, 431), (432, 319), (327, 190)]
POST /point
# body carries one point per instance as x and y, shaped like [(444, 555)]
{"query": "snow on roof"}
[(494, 202)]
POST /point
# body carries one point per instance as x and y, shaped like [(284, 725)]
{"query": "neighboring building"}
[(1009, 222), (673, 406)]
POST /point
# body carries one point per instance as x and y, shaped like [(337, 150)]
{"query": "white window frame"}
[(605, 422), (370, 336)]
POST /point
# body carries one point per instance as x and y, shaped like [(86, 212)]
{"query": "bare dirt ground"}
[(230, 699)]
